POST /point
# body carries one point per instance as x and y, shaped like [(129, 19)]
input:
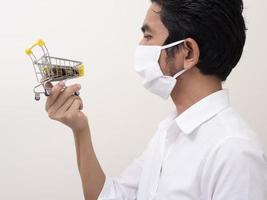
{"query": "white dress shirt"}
[(206, 153)]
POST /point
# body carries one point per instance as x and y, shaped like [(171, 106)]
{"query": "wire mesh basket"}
[(52, 69)]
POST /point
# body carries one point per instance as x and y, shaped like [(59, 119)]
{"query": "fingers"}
[(77, 105), (68, 104), (61, 97), (55, 92)]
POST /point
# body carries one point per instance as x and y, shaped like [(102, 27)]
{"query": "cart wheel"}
[(37, 97), (77, 93), (47, 93)]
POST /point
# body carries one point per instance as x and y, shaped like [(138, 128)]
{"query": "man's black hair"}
[(217, 26)]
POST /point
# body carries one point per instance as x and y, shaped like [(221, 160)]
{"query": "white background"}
[(37, 155)]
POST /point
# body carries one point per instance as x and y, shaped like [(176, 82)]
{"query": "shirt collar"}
[(197, 114), (202, 111)]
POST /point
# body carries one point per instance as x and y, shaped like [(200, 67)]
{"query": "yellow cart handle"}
[(81, 70), (39, 43)]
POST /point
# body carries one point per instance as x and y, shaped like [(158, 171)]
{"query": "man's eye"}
[(148, 37)]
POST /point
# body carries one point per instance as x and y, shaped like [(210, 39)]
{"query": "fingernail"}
[(79, 86)]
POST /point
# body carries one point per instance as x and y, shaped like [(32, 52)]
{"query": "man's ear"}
[(191, 53)]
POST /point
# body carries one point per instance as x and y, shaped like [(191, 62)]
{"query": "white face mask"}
[(147, 66)]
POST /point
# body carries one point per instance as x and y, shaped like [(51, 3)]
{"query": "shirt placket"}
[(167, 141), (159, 166)]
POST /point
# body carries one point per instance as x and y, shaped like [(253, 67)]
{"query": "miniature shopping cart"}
[(52, 69)]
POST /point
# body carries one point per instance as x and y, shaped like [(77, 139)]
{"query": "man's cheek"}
[(163, 62)]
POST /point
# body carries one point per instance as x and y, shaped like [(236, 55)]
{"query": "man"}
[(203, 150)]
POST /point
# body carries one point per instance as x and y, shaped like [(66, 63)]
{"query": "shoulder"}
[(226, 128), (236, 166), (238, 148), (235, 155)]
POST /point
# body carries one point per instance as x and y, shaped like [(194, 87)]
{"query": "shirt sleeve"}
[(236, 170), (125, 186)]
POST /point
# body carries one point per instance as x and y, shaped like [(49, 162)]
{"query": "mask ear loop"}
[(179, 73), (172, 44)]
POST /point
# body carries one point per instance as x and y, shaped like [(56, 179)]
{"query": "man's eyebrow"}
[(146, 28)]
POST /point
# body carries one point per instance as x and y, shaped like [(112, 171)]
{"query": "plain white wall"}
[(37, 155)]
